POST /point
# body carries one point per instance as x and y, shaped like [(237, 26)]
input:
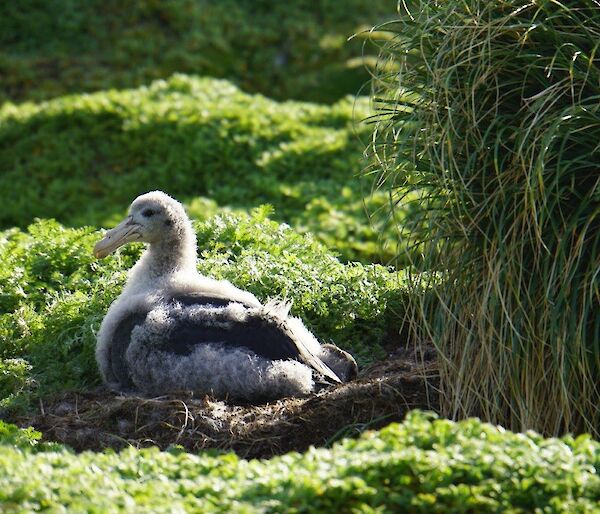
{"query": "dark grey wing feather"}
[(254, 333), (122, 337), (203, 299), (266, 336), (120, 342)]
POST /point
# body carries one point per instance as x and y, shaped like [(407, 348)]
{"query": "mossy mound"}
[(82, 159), (421, 465)]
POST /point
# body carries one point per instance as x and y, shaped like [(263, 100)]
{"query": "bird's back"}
[(179, 325)]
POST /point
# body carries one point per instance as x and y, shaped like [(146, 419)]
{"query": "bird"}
[(173, 329)]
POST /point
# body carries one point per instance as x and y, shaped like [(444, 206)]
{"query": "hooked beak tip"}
[(123, 233), (98, 254)]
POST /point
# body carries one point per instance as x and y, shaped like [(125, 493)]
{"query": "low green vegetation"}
[(485, 147), (54, 294), (491, 118), (82, 159), (282, 49), (421, 465)]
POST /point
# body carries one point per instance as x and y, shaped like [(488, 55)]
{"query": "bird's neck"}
[(170, 256), (165, 258)]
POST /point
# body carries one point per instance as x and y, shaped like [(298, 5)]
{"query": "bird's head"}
[(153, 217)]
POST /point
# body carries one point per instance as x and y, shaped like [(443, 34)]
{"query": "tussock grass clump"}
[(54, 294), (422, 465), (490, 114)]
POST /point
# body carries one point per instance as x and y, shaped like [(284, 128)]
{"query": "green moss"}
[(284, 50), (82, 159), (54, 294), (421, 465)]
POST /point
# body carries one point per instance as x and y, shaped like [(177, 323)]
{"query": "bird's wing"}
[(266, 336), (122, 335), (120, 341)]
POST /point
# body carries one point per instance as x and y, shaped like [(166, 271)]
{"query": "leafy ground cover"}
[(81, 159), (54, 294), (421, 465), (284, 50)]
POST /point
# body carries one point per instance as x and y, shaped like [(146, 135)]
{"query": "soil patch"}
[(383, 393)]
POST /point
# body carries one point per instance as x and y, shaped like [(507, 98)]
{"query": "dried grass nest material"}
[(383, 393)]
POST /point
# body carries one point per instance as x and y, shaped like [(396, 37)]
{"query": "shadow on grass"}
[(283, 50)]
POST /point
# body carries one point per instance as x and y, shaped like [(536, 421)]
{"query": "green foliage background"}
[(81, 159), (286, 50)]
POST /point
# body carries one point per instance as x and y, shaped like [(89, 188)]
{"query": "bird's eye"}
[(148, 213)]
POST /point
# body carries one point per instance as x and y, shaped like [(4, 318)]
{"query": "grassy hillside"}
[(282, 49), (422, 465), (53, 294), (81, 159)]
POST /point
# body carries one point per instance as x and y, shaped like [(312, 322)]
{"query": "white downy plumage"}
[(173, 329)]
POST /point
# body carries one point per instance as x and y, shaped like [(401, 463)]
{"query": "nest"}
[(383, 393)]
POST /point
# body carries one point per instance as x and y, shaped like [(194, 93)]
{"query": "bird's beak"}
[(125, 232)]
